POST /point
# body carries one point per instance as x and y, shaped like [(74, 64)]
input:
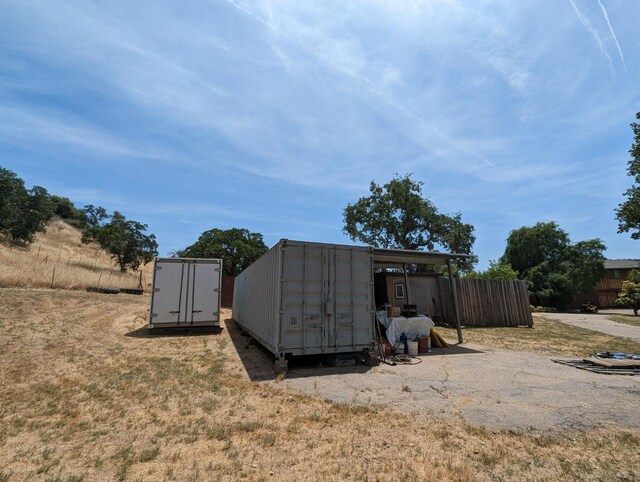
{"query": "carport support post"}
[(454, 298), (406, 282)]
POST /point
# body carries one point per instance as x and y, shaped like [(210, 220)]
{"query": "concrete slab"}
[(486, 387)]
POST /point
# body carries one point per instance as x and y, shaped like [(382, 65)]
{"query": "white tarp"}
[(413, 327)]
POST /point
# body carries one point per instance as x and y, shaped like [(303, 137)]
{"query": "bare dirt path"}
[(599, 322)]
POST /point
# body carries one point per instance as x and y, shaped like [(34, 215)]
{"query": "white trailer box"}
[(185, 292), (304, 298)]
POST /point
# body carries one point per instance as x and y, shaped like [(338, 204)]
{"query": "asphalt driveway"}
[(599, 322)]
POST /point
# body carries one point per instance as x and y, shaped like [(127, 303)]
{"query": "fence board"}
[(487, 302)]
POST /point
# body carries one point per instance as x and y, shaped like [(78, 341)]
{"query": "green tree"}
[(584, 264), (496, 270), (555, 269), (123, 239), (396, 215), (237, 248), (628, 212), (64, 209), (23, 212), (94, 216), (630, 293)]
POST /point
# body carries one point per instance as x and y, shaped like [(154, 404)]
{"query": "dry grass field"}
[(626, 319), (59, 260), (87, 394), (546, 337)]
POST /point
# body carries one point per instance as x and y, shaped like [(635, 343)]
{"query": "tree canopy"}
[(630, 293), (555, 269), (628, 212), (23, 212), (237, 248), (496, 270), (64, 209), (397, 215), (123, 239)]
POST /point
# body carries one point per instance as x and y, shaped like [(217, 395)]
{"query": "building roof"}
[(621, 263)]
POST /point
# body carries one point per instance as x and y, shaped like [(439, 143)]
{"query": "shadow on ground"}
[(258, 361), (145, 332), (450, 350)]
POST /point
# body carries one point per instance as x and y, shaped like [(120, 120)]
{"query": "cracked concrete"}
[(489, 387)]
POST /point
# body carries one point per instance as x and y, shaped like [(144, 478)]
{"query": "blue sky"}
[(273, 116)]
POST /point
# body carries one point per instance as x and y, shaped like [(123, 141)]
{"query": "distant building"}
[(606, 290), (616, 271)]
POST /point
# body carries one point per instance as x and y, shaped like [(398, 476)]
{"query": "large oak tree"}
[(397, 215), (628, 212), (23, 212), (555, 269), (124, 239), (237, 248)]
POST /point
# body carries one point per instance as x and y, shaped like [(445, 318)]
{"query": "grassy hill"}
[(59, 260)]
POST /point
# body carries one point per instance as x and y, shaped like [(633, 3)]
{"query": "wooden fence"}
[(480, 302), (226, 299), (486, 302)]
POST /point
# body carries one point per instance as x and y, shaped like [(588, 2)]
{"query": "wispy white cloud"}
[(615, 39), (27, 127), (594, 33), (276, 114), (344, 56)]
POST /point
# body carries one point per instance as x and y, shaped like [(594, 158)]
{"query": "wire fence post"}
[(53, 276)]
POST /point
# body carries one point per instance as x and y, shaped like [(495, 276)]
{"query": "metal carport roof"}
[(395, 257)]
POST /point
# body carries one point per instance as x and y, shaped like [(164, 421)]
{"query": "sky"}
[(274, 115)]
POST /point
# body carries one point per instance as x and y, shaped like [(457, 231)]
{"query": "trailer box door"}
[(185, 292)]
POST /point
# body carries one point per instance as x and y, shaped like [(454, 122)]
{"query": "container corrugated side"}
[(256, 298), (308, 298)]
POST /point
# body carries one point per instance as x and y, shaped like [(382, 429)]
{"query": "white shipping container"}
[(185, 292), (304, 298)]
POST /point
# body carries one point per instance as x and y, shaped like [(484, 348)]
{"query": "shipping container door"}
[(169, 293), (350, 286), (302, 319), (203, 292)]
